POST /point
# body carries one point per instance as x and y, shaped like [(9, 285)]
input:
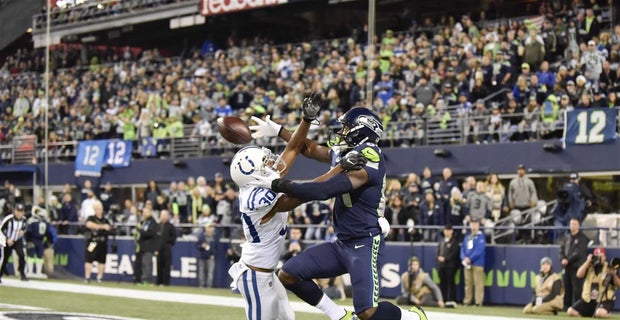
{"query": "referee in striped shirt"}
[(12, 230)]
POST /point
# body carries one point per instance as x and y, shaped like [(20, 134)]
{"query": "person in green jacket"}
[(175, 127)]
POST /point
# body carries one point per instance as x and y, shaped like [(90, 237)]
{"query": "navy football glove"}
[(353, 161)]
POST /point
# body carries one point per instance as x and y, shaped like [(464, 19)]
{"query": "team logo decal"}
[(249, 167)]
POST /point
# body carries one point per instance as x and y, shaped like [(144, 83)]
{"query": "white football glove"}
[(261, 181), (264, 128), (2, 240), (385, 226)]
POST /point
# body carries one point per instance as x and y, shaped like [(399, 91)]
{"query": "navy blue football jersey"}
[(356, 212)]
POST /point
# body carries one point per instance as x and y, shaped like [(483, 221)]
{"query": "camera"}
[(563, 197), (615, 263), (596, 260)]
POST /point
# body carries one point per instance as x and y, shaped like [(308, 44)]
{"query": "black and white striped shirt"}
[(10, 227)]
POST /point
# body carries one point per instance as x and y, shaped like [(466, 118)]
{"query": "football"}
[(234, 130)]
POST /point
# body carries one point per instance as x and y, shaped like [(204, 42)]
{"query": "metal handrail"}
[(524, 216), (392, 133)]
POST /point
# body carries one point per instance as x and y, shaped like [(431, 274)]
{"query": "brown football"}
[(234, 130)]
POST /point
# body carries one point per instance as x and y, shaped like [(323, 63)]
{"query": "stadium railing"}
[(98, 10), (426, 131), (541, 234)]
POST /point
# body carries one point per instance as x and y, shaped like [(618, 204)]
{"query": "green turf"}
[(136, 308)]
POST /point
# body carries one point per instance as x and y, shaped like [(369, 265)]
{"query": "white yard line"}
[(20, 307), (193, 298)]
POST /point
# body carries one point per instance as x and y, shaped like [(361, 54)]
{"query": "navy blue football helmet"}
[(360, 125)]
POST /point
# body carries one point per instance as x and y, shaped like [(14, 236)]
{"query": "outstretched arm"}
[(294, 146), (310, 110), (311, 149), (336, 185), (288, 202)]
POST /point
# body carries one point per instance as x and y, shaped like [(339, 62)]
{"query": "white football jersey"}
[(263, 244)]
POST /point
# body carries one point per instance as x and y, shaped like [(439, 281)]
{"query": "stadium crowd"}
[(438, 71)]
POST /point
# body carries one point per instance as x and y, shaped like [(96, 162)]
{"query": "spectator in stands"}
[(179, 203), (152, 191), (457, 208), (601, 281), (479, 208), (573, 253), (522, 193), (317, 215), (592, 63), (227, 211), (428, 181), (106, 197), (425, 93), (68, 215), (418, 288), (468, 186), (497, 193), (398, 213), (294, 246), (448, 262), (431, 214), (548, 291), (533, 50), (445, 186), (473, 258), (207, 251), (87, 207)]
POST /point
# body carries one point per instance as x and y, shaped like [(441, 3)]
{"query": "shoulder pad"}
[(371, 153)]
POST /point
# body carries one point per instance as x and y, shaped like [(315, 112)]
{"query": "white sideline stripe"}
[(20, 307), (195, 298)]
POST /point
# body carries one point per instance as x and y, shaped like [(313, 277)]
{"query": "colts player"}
[(358, 212), (264, 218)]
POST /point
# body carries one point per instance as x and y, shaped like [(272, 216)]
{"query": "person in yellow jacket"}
[(601, 281), (418, 287), (548, 291)]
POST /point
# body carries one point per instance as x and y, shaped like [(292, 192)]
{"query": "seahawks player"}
[(264, 218), (360, 203)]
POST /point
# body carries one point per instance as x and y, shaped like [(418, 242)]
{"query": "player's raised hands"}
[(311, 106), (264, 128)]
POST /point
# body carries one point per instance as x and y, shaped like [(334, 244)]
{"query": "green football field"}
[(149, 302)]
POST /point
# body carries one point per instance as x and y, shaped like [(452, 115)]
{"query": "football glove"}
[(385, 226), (353, 161), (311, 106), (265, 128)]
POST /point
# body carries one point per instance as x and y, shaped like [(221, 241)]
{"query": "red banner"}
[(213, 7)]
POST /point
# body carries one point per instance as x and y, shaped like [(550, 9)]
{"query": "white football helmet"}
[(252, 163)]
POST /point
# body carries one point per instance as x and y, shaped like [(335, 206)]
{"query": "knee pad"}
[(386, 311)]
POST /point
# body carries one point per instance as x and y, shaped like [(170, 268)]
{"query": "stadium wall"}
[(464, 160), (510, 270), (16, 17)]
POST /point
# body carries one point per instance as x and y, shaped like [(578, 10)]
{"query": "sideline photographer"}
[(418, 287), (548, 292), (599, 288), (96, 242)]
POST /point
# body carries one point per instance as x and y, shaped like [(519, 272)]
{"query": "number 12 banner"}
[(588, 126), (92, 155)]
